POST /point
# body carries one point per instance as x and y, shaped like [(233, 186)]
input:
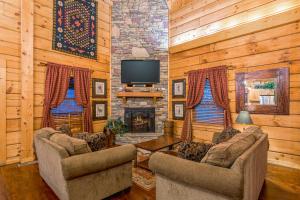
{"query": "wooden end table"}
[(160, 143)]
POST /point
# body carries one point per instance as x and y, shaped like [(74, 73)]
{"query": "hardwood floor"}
[(24, 183), (281, 184)]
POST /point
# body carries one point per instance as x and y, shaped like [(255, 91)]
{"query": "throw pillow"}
[(46, 132), (96, 142), (225, 153), (225, 135), (74, 146), (255, 130), (65, 128), (193, 150)]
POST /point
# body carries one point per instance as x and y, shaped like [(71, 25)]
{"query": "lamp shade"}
[(244, 118)]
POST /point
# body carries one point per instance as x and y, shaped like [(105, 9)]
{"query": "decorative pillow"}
[(65, 128), (46, 132), (74, 146), (96, 142), (225, 153), (255, 130), (193, 150), (225, 135)]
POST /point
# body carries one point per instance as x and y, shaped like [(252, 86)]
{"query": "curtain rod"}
[(230, 67), (45, 64)]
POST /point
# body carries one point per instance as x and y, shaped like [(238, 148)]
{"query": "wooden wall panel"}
[(2, 111), (26, 80), (10, 45), (175, 5), (234, 18), (43, 24), (17, 142), (272, 46)]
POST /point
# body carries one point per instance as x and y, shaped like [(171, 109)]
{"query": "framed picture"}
[(263, 91), (178, 88), (178, 108), (99, 110), (99, 88), (75, 27)]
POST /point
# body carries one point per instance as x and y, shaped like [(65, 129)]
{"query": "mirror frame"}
[(282, 91)]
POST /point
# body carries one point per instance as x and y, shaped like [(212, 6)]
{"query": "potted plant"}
[(115, 127)]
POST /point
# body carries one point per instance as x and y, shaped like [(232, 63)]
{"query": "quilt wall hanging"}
[(75, 27)]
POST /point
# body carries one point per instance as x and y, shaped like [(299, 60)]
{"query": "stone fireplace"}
[(140, 120), (140, 31)]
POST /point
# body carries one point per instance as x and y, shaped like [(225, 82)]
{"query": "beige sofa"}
[(89, 176), (178, 179)]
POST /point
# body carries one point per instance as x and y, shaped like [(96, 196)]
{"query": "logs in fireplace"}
[(140, 120)]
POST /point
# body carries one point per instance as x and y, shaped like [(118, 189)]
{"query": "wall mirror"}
[(263, 91)]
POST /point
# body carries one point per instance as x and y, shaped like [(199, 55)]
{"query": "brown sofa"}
[(177, 178), (89, 176)]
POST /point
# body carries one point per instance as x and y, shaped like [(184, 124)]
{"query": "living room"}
[(150, 99)]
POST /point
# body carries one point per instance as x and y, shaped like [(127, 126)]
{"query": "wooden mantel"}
[(153, 95)]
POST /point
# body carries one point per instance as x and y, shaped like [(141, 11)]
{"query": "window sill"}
[(208, 125)]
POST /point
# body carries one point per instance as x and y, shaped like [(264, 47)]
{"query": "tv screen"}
[(140, 71)]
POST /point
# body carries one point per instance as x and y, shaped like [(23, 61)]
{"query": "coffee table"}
[(160, 143)]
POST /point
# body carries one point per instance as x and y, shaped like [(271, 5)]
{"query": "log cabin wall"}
[(247, 35), (16, 134), (177, 4)]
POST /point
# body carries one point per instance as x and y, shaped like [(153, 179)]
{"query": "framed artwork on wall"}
[(179, 88), (178, 108), (263, 91), (99, 110), (99, 87), (75, 27)]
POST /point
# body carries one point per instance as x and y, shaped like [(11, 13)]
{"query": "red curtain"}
[(196, 81), (56, 87), (219, 87), (82, 78)]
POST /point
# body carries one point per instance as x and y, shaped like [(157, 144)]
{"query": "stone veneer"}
[(140, 31)]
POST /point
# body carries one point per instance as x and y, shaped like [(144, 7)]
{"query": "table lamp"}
[(244, 118)]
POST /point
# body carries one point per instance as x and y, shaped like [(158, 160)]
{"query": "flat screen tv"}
[(140, 71)]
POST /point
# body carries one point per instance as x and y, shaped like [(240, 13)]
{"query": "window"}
[(68, 112), (207, 111)]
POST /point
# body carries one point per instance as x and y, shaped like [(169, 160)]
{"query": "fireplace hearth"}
[(140, 120)]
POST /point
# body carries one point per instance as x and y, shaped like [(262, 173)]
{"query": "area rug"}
[(143, 178), (75, 27)]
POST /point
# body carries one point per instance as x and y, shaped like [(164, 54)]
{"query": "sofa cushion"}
[(46, 132), (255, 130), (225, 135), (80, 165), (65, 128), (224, 154), (74, 146), (193, 150)]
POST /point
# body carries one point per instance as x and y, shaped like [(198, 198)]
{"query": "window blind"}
[(207, 111)]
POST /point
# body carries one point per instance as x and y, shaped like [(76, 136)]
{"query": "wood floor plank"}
[(25, 183)]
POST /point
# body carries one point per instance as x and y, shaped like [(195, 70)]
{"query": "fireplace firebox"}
[(140, 120)]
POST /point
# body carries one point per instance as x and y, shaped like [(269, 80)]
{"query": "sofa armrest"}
[(88, 163), (215, 179)]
